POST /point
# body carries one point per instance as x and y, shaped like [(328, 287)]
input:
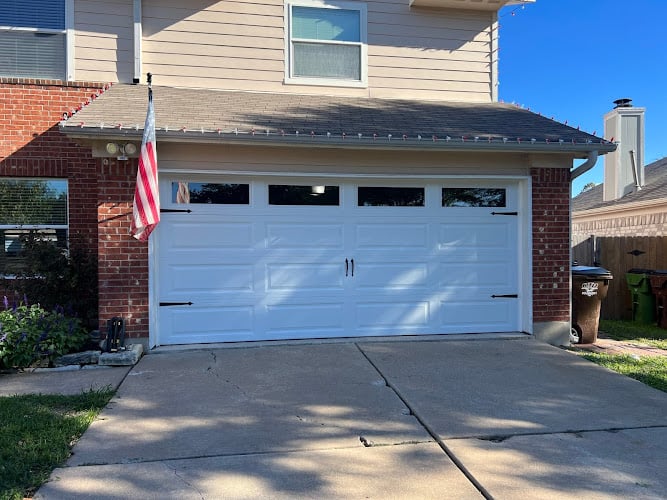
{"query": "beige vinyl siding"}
[(412, 53), (261, 159), (103, 40)]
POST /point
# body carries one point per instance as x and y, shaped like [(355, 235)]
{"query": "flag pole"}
[(146, 204)]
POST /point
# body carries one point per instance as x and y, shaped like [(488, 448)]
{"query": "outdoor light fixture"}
[(120, 151)]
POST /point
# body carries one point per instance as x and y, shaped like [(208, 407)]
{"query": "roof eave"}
[(349, 142)]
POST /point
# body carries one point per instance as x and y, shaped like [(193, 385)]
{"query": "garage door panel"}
[(477, 316), (381, 276), (304, 236), (189, 234), (201, 280), (475, 274), (393, 315), (304, 277), (474, 236), (305, 319), (192, 324), (388, 236)]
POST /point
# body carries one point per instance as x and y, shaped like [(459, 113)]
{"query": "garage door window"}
[(473, 197), (390, 196), (281, 194), (210, 193)]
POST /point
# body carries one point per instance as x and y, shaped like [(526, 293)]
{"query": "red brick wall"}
[(122, 260), (551, 244), (31, 146)]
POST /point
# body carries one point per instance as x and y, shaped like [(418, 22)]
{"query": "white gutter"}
[(590, 162)]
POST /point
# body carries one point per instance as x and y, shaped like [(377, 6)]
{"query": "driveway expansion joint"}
[(464, 470)]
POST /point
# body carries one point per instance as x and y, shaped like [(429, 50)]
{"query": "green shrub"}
[(29, 335), (52, 277)]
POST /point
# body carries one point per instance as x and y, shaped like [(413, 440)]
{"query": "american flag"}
[(146, 207)]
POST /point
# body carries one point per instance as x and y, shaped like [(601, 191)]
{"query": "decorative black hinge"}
[(175, 210), (636, 252), (504, 213), (169, 304), (505, 296)]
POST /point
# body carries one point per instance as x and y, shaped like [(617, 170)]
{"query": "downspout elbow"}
[(590, 162)]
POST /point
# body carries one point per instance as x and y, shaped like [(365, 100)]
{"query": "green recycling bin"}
[(643, 300)]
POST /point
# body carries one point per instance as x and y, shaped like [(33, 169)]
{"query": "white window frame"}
[(68, 33), (363, 43)]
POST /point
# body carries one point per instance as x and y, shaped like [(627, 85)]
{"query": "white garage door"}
[(260, 259)]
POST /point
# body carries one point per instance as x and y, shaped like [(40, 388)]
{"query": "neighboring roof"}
[(198, 114), (655, 188)]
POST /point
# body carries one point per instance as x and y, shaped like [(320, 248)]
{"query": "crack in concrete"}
[(212, 368), (184, 481), (499, 438), (464, 470)]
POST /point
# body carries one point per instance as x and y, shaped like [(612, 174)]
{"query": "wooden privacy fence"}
[(619, 255)]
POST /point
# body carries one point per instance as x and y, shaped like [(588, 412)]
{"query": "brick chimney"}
[(624, 168)]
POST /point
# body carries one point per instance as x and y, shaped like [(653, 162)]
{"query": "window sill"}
[(326, 82)]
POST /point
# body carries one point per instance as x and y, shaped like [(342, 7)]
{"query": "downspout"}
[(590, 162), (138, 35)]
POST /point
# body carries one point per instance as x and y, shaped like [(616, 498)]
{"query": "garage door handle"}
[(505, 296), (175, 211), (347, 265), (352, 261), (170, 304)]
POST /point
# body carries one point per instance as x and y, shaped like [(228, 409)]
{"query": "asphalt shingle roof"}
[(655, 187), (190, 110)]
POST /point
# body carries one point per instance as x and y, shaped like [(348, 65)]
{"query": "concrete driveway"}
[(399, 419)]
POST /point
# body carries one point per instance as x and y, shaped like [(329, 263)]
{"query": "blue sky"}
[(571, 59)]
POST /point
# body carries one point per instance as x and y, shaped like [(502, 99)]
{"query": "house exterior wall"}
[(124, 261), (649, 221), (32, 146), (104, 40), (423, 53)]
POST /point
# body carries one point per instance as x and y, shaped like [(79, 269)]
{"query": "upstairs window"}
[(326, 43), (33, 39)]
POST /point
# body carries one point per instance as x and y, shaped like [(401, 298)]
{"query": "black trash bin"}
[(589, 288), (658, 281)]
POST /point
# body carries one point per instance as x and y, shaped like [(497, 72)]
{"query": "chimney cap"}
[(623, 103)]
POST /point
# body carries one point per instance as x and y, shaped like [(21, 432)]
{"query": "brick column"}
[(122, 260), (551, 253)]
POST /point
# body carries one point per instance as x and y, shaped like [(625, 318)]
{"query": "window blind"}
[(48, 14)]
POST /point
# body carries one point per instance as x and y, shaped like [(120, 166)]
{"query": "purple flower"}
[(6, 302), (25, 299)]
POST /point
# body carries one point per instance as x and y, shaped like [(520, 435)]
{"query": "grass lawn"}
[(649, 370), (36, 435), (629, 330)]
